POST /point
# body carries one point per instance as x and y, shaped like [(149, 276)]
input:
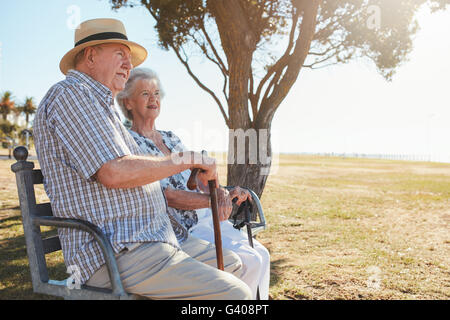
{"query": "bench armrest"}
[(99, 236)]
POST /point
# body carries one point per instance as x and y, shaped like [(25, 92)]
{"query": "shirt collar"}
[(99, 88)]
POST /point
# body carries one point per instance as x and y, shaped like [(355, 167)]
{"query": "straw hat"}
[(97, 31)]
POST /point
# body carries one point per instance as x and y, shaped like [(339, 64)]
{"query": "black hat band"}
[(102, 36)]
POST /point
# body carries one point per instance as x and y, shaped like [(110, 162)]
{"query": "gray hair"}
[(136, 75)]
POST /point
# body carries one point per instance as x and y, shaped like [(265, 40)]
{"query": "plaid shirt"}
[(76, 131)]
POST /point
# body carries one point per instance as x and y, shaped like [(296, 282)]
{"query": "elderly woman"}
[(140, 102)]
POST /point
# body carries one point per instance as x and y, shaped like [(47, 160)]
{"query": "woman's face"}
[(144, 102)]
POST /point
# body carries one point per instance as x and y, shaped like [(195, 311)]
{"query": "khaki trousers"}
[(160, 271)]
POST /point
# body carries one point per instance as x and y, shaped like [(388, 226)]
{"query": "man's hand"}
[(208, 169)]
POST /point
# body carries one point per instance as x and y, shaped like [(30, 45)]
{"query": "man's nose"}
[(127, 63)]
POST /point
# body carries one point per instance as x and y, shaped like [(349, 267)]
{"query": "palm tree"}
[(28, 108), (7, 130), (6, 104)]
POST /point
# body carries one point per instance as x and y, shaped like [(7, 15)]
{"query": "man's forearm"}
[(135, 171)]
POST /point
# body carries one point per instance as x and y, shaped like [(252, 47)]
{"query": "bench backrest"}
[(37, 247)]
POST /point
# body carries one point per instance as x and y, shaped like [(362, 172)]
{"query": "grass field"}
[(338, 229)]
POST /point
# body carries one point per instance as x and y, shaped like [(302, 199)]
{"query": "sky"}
[(347, 108)]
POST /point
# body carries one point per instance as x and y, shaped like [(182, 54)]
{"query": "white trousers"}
[(256, 261)]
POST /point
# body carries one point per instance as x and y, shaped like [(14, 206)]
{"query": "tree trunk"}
[(249, 158), (250, 166)]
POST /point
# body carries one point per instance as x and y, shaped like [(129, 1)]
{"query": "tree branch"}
[(321, 67), (219, 60), (294, 64), (199, 83), (251, 96), (204, 49), (193, 76), (331, 47), (320, 61), (283, 59)]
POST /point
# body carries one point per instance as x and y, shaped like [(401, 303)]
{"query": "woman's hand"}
[(240, 194), (225, 198), (224, 204)]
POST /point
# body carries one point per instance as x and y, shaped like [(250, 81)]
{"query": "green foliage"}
[(7, 105), (342, 34), (28, 108), (176, 18), (7, 128)]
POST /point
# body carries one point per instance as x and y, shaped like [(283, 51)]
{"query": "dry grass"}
[(358, 229), (338, 229), (15, 278)]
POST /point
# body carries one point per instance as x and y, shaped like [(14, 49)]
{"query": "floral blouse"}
[(184, 219)]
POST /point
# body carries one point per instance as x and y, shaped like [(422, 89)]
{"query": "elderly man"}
[(93, 170)]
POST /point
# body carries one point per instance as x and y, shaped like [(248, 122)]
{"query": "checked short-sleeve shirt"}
[(76, 131)]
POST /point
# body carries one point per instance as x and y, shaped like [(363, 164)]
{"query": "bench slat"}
[(38, 178), (51, 244), (44, 209)]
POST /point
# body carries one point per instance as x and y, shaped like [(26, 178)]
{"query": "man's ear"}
[(89, 56)]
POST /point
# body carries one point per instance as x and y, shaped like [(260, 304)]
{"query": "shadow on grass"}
[(15, 274), (15, 219), (276, 270)]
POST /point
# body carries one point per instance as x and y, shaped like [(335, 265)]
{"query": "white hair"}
[(136, 75)]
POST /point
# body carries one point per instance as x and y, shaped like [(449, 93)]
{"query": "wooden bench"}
[(36, 215)]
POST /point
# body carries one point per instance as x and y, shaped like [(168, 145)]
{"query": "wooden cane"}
[(192, 185), (216, 223)]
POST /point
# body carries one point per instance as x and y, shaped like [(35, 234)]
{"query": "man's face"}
[(111, 65)]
